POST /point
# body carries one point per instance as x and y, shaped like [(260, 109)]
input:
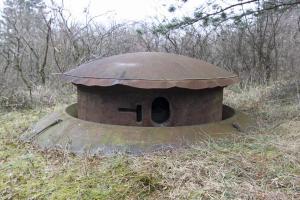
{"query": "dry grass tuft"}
[(262, 165), (41, 96)]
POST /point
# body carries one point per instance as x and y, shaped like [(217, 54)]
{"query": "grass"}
[(262, 164)]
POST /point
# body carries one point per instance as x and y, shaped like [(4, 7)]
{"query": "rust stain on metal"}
[(186, 107), (122, 90), (150, 70), (139, 102)]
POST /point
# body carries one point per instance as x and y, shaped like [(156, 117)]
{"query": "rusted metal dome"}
[(151, 70), (172, 101)]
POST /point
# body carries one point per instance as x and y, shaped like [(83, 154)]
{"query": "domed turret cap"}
[(150, 70)]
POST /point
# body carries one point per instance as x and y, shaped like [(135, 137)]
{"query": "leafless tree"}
[(39, 41)]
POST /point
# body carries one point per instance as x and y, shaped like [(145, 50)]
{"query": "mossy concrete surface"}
[(63, 130)]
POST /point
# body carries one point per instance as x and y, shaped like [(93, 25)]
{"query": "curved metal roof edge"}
[(147, 83), (141, 79), (153, 84)]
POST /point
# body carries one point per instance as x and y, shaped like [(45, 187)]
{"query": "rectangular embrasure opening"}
[(139, 113), (137, 110)]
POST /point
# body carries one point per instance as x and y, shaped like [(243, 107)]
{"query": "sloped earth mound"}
[(263, 163)]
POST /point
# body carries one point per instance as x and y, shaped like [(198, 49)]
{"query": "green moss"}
[(26, 175), (26, 172), (249, 166), (28, 178)]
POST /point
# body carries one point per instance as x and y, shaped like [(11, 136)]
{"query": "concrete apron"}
[(63, 130)]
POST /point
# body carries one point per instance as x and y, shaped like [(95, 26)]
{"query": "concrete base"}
[(64, 130)]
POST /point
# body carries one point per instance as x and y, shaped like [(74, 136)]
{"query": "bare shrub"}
[(39, 42)]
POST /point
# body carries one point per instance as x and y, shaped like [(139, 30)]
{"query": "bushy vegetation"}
[(39, 41)]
